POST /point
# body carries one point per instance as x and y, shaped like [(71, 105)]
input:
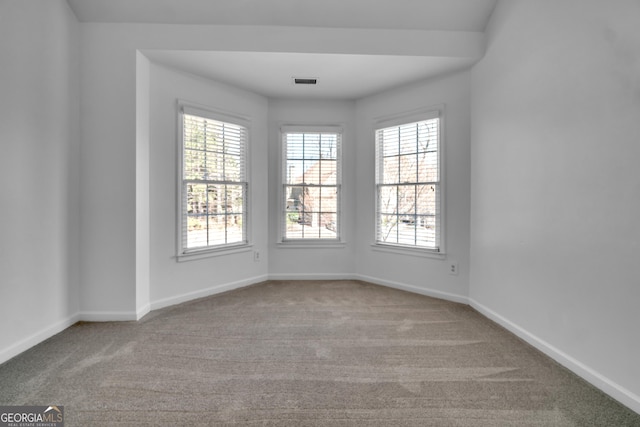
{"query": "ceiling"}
[(447, 15), (340, 76)]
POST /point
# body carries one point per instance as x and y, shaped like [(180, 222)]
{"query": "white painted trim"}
[(210, 113), (415, 289), (143, 311), (189, 296), (424, 113), (311, 244), (312, 276), (321, 128), (408, 251), (336, 128), (616, 391), (35, 339), (213, 252), (108, 316), (396, 285)]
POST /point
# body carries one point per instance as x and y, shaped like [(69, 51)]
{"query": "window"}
[(311, 184), (408, 184), (213, 182)]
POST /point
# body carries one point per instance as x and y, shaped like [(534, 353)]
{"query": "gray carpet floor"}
[(311, 353)]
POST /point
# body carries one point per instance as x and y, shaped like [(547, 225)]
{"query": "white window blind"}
[(214, 184), (311, 185), (408, 184)]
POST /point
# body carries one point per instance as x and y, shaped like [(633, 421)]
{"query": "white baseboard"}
[(37, 338), (178, 299), (415, 289), (312, 276), (619, 393), (143, 311), (108, 316), (390, 284)]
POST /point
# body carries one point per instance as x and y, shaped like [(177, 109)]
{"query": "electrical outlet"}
[(256, 256), (453, 268)]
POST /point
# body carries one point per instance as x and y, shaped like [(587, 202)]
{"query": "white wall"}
[(424, 275), (286, 261), (172, 281), (143, 212), (556, 185), (38, 172), (108, 175)]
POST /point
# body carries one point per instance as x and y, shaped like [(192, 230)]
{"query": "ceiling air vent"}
[(304, 81)]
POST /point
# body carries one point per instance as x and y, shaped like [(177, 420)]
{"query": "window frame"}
[(422, 114), (184, 253), (294, 243)]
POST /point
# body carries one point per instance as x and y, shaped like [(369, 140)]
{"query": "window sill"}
[(311, 244), (406, 250), (214, 252)]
